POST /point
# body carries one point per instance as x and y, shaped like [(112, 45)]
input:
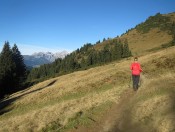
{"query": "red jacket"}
[(136, 69)]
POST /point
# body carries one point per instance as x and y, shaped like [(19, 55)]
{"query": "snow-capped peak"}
[(50, 56)]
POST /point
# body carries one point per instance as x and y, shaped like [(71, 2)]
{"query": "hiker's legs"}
[(135, 79)]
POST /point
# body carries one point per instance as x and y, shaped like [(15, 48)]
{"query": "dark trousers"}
[(135, 79)]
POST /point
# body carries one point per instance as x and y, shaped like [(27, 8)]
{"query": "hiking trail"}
[(110, 121)]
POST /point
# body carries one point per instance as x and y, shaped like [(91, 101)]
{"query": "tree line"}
[(12, 70), (160, 21), (81, 59)]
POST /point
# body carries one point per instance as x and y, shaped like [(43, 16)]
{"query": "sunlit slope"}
[(60, 98), (53, 102), (143, 42), (147, 36), (152, 107)]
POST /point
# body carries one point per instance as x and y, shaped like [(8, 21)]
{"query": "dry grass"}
[(142, 43), (152, 108), (172, 16), (59, 99)]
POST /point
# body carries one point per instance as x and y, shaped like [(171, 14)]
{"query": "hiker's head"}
[(135, 58)]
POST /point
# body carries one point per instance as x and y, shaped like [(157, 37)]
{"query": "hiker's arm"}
[(140, 69), (131, 67)]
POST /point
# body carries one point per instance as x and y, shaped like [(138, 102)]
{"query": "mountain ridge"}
[(40, 58)]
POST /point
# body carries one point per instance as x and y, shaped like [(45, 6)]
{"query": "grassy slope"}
[(153, 39), (54, 103), (152, 107), (60, 98), (141, 43)]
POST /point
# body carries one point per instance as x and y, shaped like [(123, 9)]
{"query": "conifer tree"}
[(104, 39), (98, 42), (20, 69), (173, 34), (126, 51), (89, 60), (83, 63), (117, 51), (57, 65), (7, 70), (107, 54)]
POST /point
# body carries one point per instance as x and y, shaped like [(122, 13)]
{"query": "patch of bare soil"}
[(110, 121)]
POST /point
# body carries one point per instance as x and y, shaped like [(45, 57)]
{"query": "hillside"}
[(80, 100), (147, 36), (151, 34), (156, 33)]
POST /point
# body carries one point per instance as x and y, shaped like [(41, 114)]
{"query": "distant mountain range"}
[(41, 58)]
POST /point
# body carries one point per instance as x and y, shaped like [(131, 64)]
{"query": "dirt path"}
[(110, 121), (113, 117)]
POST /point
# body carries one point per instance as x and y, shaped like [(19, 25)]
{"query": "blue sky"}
[(56, 25)]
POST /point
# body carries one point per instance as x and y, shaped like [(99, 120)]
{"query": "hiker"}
[(136, 70)]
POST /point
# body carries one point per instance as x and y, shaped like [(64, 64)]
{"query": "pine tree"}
[(126, 51), (173, 34), (107, 53), (98, 42), (117, 51), (90, 59), (104, 39), (83, 63), (57, 65), (20, 70), (7, 70)]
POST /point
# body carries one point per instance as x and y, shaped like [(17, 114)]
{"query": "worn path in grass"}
[(110, 121), (113, 116)]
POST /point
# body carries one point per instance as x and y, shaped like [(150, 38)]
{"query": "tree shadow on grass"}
[(5, 103)]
